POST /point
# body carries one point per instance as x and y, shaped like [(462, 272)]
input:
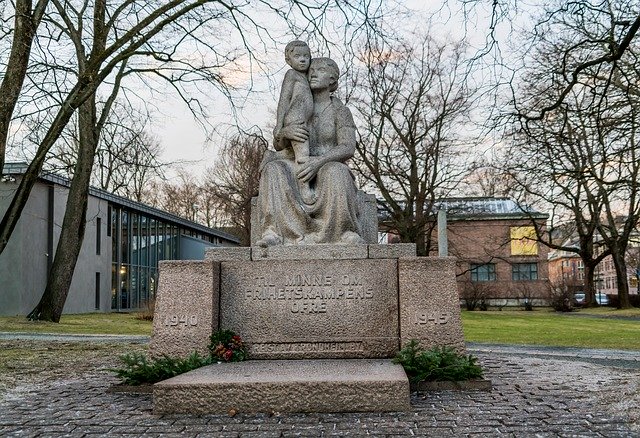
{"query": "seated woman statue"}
[(333, 215)]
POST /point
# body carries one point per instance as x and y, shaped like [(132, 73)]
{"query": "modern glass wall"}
[(138, 243)]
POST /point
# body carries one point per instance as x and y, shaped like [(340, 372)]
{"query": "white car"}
[(602, 299), (580, 298)]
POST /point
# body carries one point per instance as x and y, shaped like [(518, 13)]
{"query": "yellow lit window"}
[(523, 241)]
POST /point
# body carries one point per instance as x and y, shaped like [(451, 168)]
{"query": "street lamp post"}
[(599, 281)]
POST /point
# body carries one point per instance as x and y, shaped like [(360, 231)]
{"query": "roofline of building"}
[(522, 214), (18, 169), (497, 216)]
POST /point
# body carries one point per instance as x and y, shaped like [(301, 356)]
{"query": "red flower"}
[(227, 355)]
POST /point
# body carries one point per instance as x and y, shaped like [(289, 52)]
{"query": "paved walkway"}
[(536, 392), (60, 337)]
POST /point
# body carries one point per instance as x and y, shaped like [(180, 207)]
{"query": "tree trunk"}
[(28, 180), (589, 285), (74, 224), (23, 34), (620, 266)]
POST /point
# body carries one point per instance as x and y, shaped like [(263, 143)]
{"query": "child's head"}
[(298, 55)]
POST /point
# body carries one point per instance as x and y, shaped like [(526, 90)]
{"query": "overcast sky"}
[(184, 139)]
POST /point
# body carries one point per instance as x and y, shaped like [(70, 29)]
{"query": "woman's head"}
[(323, 73)]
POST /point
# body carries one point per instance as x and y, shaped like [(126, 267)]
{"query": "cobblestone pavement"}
[(532, 395)]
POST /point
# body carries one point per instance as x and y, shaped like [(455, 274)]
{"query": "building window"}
[(97, 291), (98, 235), (483, 272), (109, 220), (524, 271), (523, 241)]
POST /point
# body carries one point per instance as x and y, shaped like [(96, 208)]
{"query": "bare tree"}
[(165, 34), (547, 168), (127, 156), (613, 30), (411, 100), (580, 155), (183, 197), (604, 32), (234, 180), (488, 178), (106, 39), (27, 18)]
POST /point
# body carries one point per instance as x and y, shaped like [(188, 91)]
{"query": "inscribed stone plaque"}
[(297, 309), (186, 310), (429, 303)]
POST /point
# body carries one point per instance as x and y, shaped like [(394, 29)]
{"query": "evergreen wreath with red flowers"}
[(226, 346)]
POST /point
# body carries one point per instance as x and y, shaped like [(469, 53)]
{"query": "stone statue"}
[(295, 106), (330, 214)]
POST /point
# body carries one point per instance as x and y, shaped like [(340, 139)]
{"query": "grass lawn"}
[(588, 328), (609, 312), (90, 323)]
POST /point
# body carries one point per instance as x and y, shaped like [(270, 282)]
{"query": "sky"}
[(193, 148), (185, 140)]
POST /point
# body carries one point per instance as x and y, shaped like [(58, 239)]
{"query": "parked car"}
[(579, 299), (602, 299)]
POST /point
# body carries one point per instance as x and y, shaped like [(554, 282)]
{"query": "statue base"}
[(329, 385), (309, 302)]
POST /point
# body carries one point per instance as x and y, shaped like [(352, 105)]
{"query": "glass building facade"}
[(117, 266), (139, 241)]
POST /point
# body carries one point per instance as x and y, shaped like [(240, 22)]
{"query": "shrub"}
[(139, 370), (475, 295), (436, 364), (226, 346), (560, 297), (148, 309)]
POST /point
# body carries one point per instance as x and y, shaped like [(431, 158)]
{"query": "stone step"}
[(271, 386)]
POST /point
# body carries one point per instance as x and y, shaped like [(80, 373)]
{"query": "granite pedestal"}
[(338, 309), (355, 385)]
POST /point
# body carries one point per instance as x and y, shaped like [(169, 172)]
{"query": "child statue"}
[(295, 106)]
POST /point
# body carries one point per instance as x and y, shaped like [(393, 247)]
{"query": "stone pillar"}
[(186, 311), (429, 302), (443, 242)]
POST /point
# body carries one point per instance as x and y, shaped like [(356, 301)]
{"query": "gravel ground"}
[(28, 364), (54, 388)]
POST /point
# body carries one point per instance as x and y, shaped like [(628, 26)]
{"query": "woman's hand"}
[(294, 133), (309, 169)]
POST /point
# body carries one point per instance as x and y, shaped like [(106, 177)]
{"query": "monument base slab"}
[(320, 385)]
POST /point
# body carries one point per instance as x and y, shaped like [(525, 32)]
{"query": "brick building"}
[(566, 268), (499, 262), (605, 273)]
